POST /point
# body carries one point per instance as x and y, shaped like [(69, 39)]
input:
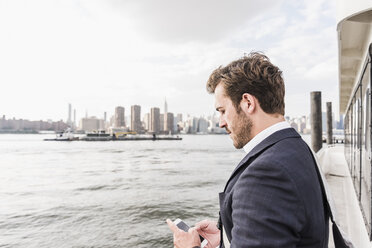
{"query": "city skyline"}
[(111, 53), (151, 123), (140, 116)]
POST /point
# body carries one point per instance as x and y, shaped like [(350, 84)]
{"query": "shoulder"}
[(278, 193), (290, 155), (284, 172), (265, 193), (275, 170), (289, 161)]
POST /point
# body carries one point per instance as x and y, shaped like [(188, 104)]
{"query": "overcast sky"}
[(100, 54)]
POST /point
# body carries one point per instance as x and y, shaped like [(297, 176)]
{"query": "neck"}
[(264, 121)]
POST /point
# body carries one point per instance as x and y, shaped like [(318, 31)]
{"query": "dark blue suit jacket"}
[(273, 198)]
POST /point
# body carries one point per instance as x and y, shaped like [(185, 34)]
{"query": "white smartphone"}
[(183, 226)]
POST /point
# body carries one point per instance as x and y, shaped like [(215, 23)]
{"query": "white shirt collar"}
[(264, 134)]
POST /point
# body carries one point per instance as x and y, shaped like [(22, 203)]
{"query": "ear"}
[(248, 103)]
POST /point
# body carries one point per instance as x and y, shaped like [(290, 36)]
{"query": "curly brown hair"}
[(253, 74)]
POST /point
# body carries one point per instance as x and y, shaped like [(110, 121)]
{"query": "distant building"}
[(74, 124), (119, 117), (202, 125), (214, 125), (155, 120), (179, 117), (169, 123), (136, 124), (177, 123), (147, 121), (324, 122), (69, 119), (161, 122), (340, 124), (192, 125), (21, 125), (91, 124), (165, 106), (294, 126), (57, 126)]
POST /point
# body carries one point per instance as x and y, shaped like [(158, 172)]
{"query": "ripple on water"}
[(110, 194)]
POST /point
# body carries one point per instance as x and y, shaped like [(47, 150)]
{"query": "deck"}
[(348, 214)]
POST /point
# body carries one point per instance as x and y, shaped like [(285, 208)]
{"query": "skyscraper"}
[(202, 125), (168, 122), (91, 124), (69, 120), (161, 123), (74, 125), (147, 121), (165, 106), (155, 120), (135, 115), (179, 117), (119, 117)]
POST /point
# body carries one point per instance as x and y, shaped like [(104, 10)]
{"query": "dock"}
[(348, 214), (114, 138)]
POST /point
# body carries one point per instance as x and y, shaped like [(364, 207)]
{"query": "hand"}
[(182, 239), (208, 229)]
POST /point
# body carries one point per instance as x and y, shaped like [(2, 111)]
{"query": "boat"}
[(347, 167), (66, 135), (99, 135), (153, 137)]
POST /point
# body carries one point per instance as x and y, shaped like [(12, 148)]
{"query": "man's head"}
[(249, 95)]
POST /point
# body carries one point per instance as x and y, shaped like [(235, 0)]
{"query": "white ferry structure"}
[(347, 167)]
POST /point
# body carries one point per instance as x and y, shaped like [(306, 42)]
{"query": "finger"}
[(201, 232), (202, 224), (172, 226)]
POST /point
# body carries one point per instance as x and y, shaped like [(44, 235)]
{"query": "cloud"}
[(99, 54), (192, 20), (306, 51)]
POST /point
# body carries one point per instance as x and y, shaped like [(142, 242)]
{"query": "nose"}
[(222, 122)]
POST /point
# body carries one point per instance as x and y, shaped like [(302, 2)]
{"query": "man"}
[(273, 197)]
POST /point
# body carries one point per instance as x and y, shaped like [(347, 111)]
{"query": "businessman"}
[(273, 197)]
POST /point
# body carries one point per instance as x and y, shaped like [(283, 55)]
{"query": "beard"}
[(242, 129)]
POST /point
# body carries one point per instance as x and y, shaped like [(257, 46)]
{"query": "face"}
[(237, 124)]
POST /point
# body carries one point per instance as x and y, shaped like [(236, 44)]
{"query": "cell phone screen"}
[(183, 226)]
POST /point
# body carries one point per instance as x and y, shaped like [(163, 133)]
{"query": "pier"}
[(348, 215)]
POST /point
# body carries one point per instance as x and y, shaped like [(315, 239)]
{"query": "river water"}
[(108, 194)]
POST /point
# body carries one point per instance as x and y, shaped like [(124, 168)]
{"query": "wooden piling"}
[(329, 124), (316, 120)]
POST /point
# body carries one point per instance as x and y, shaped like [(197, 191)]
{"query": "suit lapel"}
[(269, 141)]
